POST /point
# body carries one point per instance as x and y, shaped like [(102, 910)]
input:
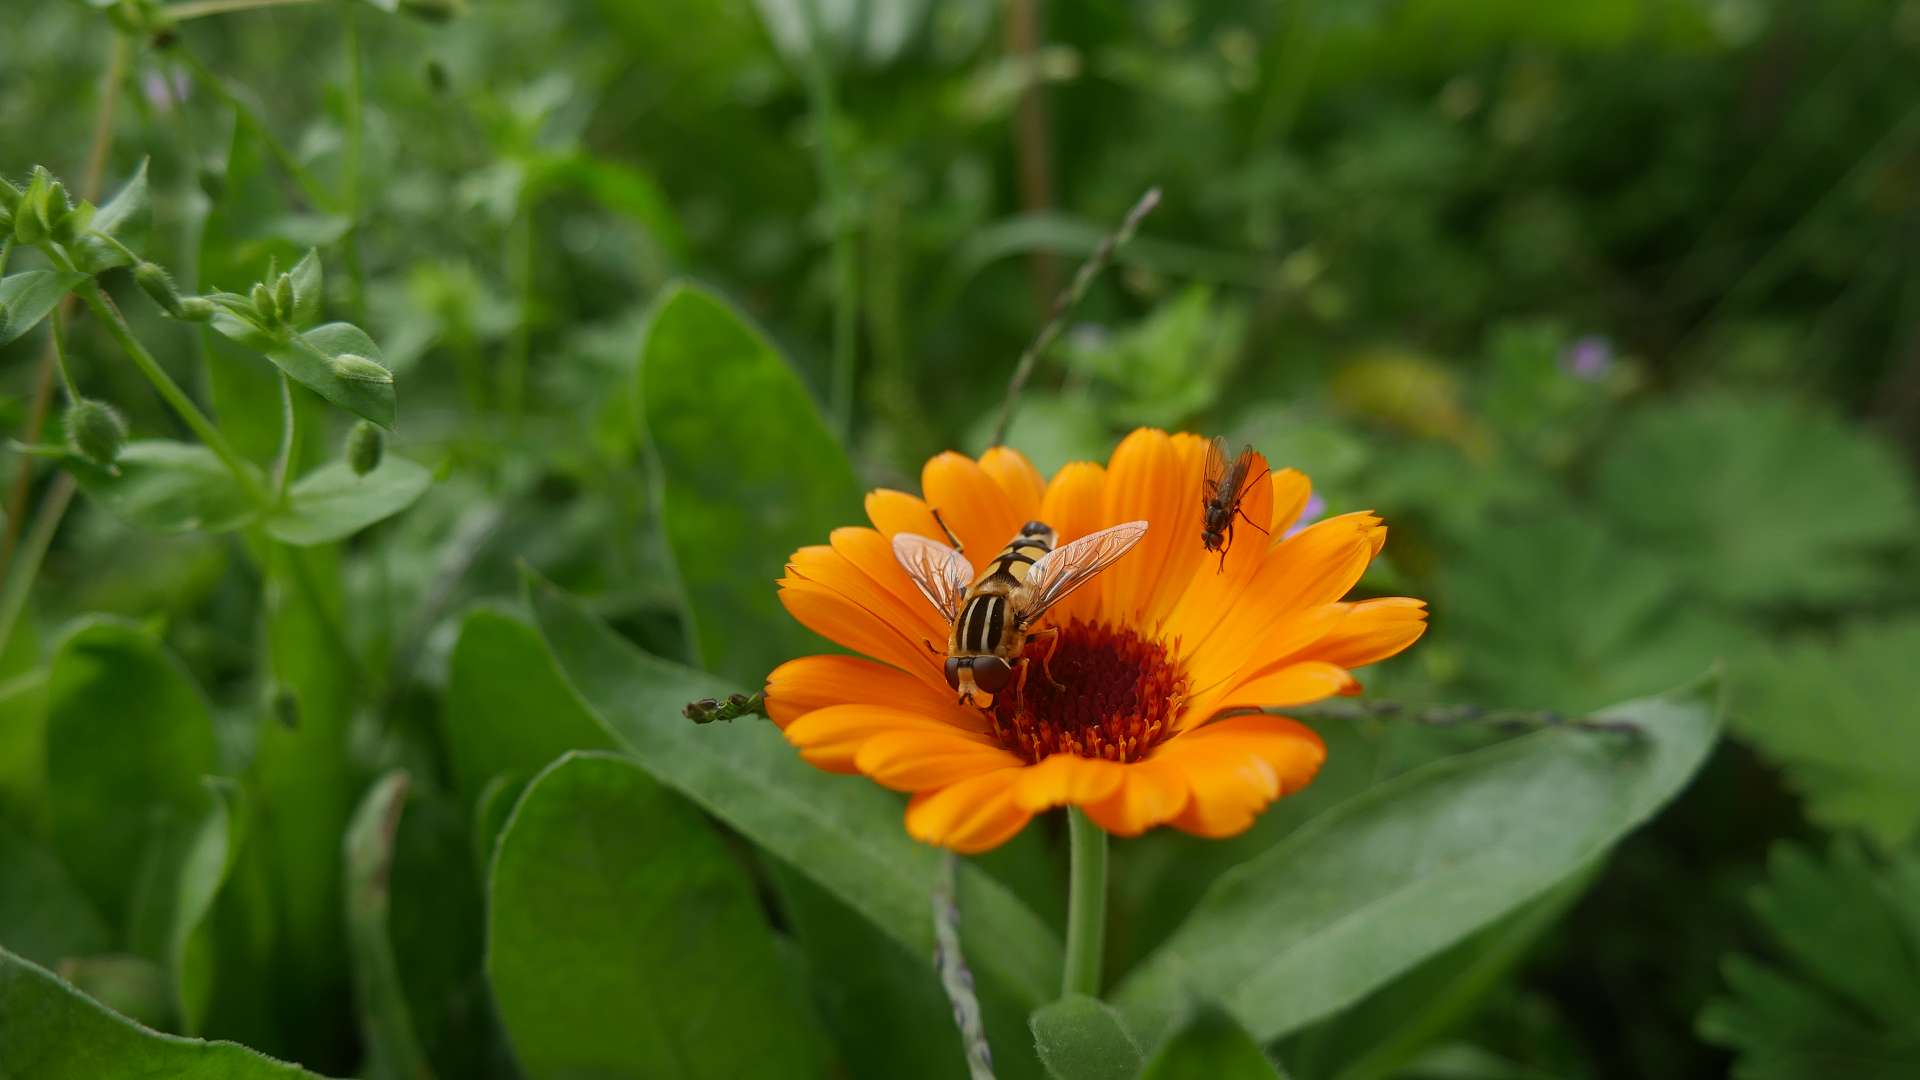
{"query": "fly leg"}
[(951, 537), (1053, 645)]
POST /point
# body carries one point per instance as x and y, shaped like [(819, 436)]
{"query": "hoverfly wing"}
[(942, 574), (1216, 471), (1057, 573)]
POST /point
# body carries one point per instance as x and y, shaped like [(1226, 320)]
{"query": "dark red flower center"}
[(1119, 695)]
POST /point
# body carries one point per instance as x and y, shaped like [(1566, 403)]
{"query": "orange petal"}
[(1295, 684), (1291, 492), (1236, 767), (897, 512), (972, 503), (1154, 476), (800, 686), (1067, 779), (1150, 793), (1371, 631), (831, 737), (1231, 659), (833, 616), (1018, 480), (974, 815), (860, 566), (1074, 507), (916, 759), (1315, 566)]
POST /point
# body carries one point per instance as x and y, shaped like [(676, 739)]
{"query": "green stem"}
[(283, 461), (6, 250), (820, 101), (251, 117), (60, 354), (1086, 904), (955, 978), (109, 316), (202, 8), (27, 566)]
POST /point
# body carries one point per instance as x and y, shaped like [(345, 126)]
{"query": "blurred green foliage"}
[(1612, 310)]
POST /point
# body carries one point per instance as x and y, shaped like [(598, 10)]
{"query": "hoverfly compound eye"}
[(991, 673), (953, 671)]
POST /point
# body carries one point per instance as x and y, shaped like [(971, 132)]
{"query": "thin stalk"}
[(1032, 144), (1086, 904), (955, 977), (101, 141), (116, 324), (251, 117), (1444, 716), (833, 184), (1064, 304), (351, 158), (283, 461), (53, 506), (199, 9), (60, 355)]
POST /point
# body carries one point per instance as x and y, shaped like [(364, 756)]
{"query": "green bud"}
[(31, 222), (154, 280), (95, 431), (283, 294), (365, 444), (434, 11), (10, 195), (74, 224), (195, 309), (264, 305), (360, 369)]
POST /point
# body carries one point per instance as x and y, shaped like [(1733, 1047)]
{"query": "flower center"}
[(1122, 694)]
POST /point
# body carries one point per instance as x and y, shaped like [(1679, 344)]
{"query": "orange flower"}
[(1150, 651)]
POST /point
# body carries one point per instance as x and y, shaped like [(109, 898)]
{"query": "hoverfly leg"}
[(952, 538), (931, 647), (1046, 658)]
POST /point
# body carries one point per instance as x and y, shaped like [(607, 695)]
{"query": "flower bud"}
[(95, 431), (31, 221), (264, 305), (154, 280), (360, 369), (195, 309), (283, 294), (365, 445), (73, 224), (9, 195)]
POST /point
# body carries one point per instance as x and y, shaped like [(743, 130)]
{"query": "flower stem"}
[(833, 183), (109, 316), (350, 167), (955, 977), (202, 8), (1086, 904), (250, 116)]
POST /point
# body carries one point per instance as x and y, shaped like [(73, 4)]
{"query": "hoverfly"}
[(992, 615), (1222, 486)]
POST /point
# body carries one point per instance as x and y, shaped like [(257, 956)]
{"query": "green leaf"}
[(1210, 1045), (50, 1031), (186, 864), (1842, 1001), (1760, 501), (1082, 1038), (27, 297), (307, 289), (128, 736), (167, 487), (501, 674), (332, 503), (843, 832), (393, 1050), (43, 915), (1398, 873), (1858, 764), (624, 940), (749, 474), (126, 217), (307, 359)]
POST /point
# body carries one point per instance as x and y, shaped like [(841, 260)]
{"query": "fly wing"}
[(942, 574), (1240, 476), (1215, 472), (1060, 571)]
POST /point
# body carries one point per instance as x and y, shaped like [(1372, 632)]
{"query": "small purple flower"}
[(1309, 514), (164, 89), (1588, 359)]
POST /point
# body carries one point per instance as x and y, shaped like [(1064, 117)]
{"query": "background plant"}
[(1609, 311)]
